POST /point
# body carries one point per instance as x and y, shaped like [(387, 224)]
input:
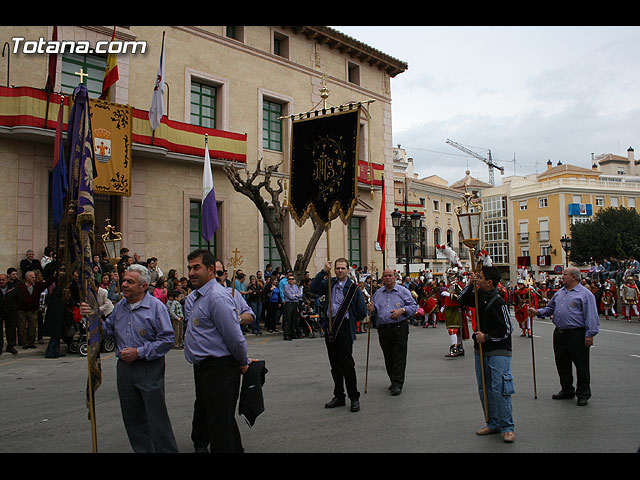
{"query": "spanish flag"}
[(110, 73)]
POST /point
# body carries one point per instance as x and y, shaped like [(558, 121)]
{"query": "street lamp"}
[(111, 241), (566, 246), (469, 215), (410, 222)]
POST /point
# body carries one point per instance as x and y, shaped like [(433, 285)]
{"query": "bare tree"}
[(273, 211)]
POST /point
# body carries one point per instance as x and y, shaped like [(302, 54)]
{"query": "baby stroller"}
[(310, 320), (79, 342)]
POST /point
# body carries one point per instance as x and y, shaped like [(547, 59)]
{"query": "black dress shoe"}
[(563, 396), (582, 401), (355, 406), (335, 402), (12, 349), (396, 391)]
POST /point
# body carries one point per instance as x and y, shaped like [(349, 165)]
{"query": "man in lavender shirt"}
[(215, 345), (143, 332), (575, 316)]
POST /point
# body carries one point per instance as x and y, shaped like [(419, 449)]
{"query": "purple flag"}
[(82, 172), (209, 211)]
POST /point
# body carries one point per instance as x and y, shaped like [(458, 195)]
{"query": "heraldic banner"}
[(324, 163), (111, 125)]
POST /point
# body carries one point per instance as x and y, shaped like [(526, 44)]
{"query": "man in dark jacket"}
[(494, 334), (339, 339), (8, 313)]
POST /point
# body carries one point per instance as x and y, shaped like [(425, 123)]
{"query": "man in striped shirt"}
[(494, 333)]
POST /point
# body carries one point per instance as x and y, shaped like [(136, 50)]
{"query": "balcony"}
[(543, 236)]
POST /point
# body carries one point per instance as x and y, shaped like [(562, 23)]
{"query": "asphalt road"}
[(43, 408)]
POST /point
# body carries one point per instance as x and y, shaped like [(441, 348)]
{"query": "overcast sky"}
[(533, 93)]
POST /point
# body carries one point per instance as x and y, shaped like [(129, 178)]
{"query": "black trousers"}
[(11, 326), (290, 320), (343, 367), (393, 342), (217, 382), (569, 349)]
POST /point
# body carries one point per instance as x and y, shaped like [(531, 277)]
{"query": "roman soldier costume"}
[(608, 302), (629, 295)]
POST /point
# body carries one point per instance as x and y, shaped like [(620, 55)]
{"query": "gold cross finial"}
[(236, 260), (81, 74)]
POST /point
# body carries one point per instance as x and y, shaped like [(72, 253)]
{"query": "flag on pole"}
[(110, 73), (81, 225), (157, 103), (53, 62), (59, 177), (382, 224), (209, 212)]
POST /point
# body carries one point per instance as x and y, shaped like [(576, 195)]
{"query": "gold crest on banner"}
[(111, 125)]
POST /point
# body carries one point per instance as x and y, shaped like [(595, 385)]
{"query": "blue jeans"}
[(499, 382), (257, 310)]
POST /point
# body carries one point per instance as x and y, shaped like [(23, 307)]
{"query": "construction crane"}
[(488, 161)]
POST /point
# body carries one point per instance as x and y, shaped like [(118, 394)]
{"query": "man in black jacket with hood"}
[(494, 333)]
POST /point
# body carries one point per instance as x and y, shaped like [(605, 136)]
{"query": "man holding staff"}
[(495, 337), (346, 308)]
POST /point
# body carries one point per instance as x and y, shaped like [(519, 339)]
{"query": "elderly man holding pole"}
[(575, 316)]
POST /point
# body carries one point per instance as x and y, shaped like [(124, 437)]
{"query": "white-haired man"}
[(143, 333)]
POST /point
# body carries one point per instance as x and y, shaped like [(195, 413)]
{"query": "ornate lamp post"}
[(469, 218), (410, 222), (111, 241), (566, 246)]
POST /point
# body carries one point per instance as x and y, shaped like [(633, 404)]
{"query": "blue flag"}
[(82, 172), (59, 177)]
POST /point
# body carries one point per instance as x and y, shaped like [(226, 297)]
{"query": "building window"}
[(495, 207), (545, 250), (436, 236), (203, 105), (271, 125), (271, 255), (495, 230), (195, 228), (499, 252), (614, 201), (236, 32), (599, 201), (436, 205), (523, 205), (280, 45), (355, 250), (353, 73), (93, 65), (447, 207), (543, 202), (631, 202)]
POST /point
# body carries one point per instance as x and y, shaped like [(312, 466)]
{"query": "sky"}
[(528, 94)]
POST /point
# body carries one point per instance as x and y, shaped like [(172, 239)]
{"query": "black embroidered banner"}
[(324, 161)]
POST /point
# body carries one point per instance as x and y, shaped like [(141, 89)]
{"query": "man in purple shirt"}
[(292, 295), (393, 305), (575, 316), (143, 332), (215, 345)]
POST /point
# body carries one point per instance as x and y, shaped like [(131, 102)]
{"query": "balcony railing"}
[(543, 236)]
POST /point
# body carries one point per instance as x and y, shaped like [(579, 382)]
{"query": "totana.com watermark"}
[(20, 45)]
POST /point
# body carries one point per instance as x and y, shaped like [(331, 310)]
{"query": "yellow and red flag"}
[(110, 73)]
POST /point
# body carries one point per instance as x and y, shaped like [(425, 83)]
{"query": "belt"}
[(569, 330), (395, 324)]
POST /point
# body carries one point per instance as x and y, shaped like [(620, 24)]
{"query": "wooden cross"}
[(81, 74)]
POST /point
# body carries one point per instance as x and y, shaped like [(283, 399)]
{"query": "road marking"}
[(637, 356), (602, 329)]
